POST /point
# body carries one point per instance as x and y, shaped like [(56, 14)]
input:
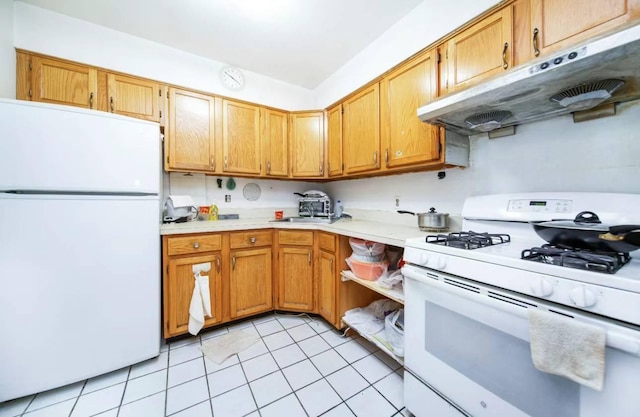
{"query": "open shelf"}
[(379, 339), (395, 294)]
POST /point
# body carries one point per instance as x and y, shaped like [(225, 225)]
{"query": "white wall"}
[(275, 194), (428, 22), (7, 51), (43, 31), (555, 155)]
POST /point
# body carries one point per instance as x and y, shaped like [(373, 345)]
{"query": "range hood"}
[(524, 94)]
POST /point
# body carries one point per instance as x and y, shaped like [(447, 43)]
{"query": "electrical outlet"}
[(396, 200), (227, 198)]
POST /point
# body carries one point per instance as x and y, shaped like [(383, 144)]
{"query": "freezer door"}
[(80, 280), (51, 147)]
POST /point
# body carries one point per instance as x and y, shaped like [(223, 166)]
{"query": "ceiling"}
[(301, 42)]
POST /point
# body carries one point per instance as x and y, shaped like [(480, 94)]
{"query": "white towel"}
[(567, 347), (200, 303)]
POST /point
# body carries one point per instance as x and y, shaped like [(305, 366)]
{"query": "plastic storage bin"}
[(366, 248), (367, 270)]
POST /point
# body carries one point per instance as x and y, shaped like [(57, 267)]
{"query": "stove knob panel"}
[(440, 263), (542, 288), (582, 297)]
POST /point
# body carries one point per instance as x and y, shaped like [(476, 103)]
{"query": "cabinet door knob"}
[(252, 239), (196, 245), (536, 51)]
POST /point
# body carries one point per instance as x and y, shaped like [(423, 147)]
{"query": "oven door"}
[(470, 343)]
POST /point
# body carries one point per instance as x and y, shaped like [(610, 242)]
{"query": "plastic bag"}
[(389, 279)]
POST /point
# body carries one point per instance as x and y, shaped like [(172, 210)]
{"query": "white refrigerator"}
[(79, 245)]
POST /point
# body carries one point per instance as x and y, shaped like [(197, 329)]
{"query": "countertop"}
[(383, 232)]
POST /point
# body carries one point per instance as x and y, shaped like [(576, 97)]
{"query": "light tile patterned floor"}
[(300, 367)]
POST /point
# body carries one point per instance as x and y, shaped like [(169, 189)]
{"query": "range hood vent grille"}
[(485, 122), (587, 95)]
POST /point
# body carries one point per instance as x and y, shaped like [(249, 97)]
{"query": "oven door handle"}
[(615, 338)]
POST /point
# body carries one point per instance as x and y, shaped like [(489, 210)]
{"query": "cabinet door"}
[(561, 23), (179, 290), (481, 51), (64, 83), (407, 140), (295, 284), (307, 144), (327, 286), (275, 140), (191, 131), (334, 141), (134, 97), (361, 131), (241, 138), (250, 282)]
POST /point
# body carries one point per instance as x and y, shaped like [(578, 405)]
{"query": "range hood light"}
[(486, 122), (588, 95)]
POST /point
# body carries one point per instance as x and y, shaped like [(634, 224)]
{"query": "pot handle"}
[(587, 217), (300, 194), (625, 228), (406, 212)]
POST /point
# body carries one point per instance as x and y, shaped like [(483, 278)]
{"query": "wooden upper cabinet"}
[(561, 23), (334, 141), (64, 83), (361, 131), (241, 138), (190, 142), (481, 51), (405, 139), (275, 142), (133, 97), (307, 144)]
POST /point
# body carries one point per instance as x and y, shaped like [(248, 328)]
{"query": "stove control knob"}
[(582, 297), (424, 259), (440, 263), (542, 288)]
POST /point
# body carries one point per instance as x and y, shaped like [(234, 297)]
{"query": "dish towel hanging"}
[(567, 347), (200, 303)]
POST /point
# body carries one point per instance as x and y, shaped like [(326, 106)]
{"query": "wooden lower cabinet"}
[(178, 289), (327, 282), (296, 281), (250, 282)]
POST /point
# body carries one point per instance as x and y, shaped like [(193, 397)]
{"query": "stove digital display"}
[(538, 203)]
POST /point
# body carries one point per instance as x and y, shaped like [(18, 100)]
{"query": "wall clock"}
[(232, 78)]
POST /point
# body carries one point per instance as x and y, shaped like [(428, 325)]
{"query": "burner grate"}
[(468, 240), (606, 262)]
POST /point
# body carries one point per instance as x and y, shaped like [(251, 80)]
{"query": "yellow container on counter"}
[(213, 212)]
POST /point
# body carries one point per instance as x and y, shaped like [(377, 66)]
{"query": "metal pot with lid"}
[(586, 231), (431, 221)]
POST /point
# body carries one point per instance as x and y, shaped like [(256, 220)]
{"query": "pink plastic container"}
[(367, 270)]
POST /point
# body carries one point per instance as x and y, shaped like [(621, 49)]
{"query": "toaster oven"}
[(314, 204)]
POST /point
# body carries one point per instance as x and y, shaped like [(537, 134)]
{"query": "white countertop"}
[(387, 233)]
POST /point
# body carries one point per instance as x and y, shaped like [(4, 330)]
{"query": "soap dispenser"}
[(337, 209)]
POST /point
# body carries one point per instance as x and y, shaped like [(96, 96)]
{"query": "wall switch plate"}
[(227, 198)]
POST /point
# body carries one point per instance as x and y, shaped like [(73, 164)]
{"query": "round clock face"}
[(232, 78)]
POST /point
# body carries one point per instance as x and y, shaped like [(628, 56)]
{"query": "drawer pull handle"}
[(252, 240), (91, 101), (111, 104), (218, 264), (233, 262), (309, 257), (196, 245)]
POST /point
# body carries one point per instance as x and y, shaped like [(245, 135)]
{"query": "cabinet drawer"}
[(194, 244), (327, 242), (250, 239), (288, 237)]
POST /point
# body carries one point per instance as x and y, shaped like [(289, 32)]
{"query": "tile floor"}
[(300, 367)]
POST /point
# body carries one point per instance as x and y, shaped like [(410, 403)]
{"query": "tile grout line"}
[(126, 382), (28, 405), (78, 397), (245, 374), (166, 382), (206, 377)]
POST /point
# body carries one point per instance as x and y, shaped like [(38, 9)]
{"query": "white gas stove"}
[(466, 310), (615, 295)]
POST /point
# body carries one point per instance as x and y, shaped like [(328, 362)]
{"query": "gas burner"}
[(607, 262), (468, 240)]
